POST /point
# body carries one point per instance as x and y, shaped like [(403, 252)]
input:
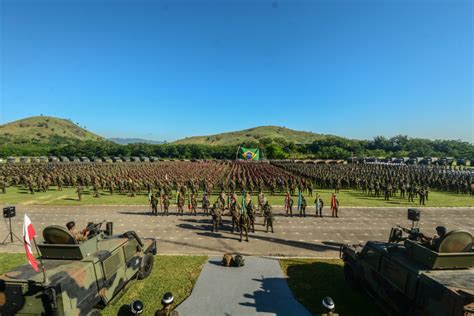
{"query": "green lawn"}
[(20, 196), (177, 274), (311, 280)]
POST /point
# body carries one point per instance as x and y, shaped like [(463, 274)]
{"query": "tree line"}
[(329, 147)]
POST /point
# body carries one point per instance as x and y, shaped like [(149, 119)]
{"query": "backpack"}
[(227, 260), (239, 261)]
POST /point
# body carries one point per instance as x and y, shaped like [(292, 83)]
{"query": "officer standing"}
[(267, 213), (154, 205), (334, 205), (319, 206), (166, 205), (303, 206)]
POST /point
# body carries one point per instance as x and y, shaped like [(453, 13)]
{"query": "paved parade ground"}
[(294, 236), (258, 288)]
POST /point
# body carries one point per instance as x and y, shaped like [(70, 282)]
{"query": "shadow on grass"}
[(310, 282)]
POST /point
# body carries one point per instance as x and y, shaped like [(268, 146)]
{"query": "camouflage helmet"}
[(136, 307), (328, 303), (167, 298)]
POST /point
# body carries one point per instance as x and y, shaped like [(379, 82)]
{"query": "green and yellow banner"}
[(250, 153)]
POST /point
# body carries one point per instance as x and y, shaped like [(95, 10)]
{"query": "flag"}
[(250, 153), (28, 235)]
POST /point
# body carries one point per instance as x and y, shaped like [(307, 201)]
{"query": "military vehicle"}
[(413, 275), (79, 277)]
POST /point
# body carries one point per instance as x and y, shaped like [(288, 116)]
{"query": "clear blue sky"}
[(168, 69)]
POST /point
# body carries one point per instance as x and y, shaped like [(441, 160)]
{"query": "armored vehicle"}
[(79, 278), (412, 275)]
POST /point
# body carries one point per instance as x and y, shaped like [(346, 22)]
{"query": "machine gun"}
[(94, 229), (396, 234)]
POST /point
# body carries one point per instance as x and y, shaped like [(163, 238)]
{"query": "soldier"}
[(234, 212), (167, 309), (411, 194), (289, 204), (268, 215), (193, 204), (421, 194), (319, 206), (261, 201), (433, 243), (334, 205), (166, 205), (205, 204), (79, 192), (244, 223), (3, 186), (251, 215), (216, 214), (180, 203), (79, 236), (96, 190), (303, 207), (154, 204)]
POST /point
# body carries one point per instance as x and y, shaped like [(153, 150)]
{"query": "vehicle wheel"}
[(94, 312), (350, 278), (146, 267)]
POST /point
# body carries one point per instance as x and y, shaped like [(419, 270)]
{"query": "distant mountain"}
[(125, 141), (43, 129), (254, 135)]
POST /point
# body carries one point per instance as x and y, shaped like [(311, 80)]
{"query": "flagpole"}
[(45, 278)]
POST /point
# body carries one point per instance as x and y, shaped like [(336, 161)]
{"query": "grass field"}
[(311, 280), (177, 274), (68, 196)]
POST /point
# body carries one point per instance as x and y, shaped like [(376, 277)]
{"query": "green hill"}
[(43, 129), (255, 134)]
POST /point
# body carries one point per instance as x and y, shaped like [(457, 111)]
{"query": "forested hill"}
[(43, 135), (251, 135)]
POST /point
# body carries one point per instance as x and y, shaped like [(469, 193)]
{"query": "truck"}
[(408, 276), (79, 278)]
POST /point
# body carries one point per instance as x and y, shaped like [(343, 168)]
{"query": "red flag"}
[(28, 235)]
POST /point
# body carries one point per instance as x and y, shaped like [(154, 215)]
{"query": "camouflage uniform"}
[(216, 214), (166, 205), (267, 213)]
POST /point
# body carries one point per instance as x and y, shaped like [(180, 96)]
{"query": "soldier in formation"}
[(303, 207)]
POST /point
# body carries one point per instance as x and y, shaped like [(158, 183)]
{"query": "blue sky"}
[(167, 69)]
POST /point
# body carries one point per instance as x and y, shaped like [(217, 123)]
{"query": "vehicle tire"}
[(350, 277), (146, 266), (94, 312)]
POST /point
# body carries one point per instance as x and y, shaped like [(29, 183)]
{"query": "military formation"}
[(384, 180)]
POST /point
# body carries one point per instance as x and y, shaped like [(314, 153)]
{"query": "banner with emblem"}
[(250, 153)]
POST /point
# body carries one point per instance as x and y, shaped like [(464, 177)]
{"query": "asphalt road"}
[(294, 236)]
